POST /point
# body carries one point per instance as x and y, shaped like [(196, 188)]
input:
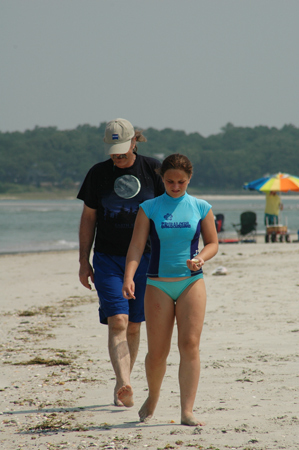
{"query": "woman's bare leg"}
[(159, 319), (190, 312)]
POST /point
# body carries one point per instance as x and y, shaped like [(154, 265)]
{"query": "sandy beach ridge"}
[(56, 381)]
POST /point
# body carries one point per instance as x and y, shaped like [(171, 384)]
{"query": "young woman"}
[(175, 286)]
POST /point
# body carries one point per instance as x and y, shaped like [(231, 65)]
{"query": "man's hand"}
[(86, 272)]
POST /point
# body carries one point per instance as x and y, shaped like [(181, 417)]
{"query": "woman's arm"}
[(135, 251), (210, 240)]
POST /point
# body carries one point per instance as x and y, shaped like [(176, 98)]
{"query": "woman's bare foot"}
[(147, 410), (125, 396), (191, 421)]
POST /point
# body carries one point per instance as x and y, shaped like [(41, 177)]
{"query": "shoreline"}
[(30, 252), (226, 235)]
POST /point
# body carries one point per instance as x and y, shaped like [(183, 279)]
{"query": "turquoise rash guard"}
[(175, 225)]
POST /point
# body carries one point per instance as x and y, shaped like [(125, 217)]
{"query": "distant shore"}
[(69, 194)]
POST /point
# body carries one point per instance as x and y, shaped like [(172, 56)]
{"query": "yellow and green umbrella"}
[(279, 182)]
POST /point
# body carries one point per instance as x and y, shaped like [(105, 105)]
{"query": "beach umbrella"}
[(279, 182)]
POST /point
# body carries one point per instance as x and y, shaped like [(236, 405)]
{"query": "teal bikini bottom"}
[(173, 288)]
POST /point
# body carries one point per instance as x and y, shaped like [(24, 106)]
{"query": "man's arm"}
[(86, 238)]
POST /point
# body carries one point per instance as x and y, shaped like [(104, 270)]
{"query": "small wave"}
[(69, 244), (45, 246)]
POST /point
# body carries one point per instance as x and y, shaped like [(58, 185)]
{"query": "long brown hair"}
[(178, 162)]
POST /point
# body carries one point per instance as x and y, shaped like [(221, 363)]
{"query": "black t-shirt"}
[(116, 195)]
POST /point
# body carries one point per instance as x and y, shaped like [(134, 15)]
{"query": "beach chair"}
[(219, 221), (246, 229)]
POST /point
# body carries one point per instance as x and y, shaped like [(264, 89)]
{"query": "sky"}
[(191, 65)]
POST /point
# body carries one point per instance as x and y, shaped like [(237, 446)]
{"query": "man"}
[(272, 208), (112, 192)]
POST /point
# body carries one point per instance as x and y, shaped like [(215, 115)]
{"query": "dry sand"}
[(56, 381)]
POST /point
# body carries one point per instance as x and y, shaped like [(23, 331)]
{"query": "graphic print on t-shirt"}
[(127, 186), (121, 214)]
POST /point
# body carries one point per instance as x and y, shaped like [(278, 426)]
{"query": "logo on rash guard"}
[(169, 216), (175, 225)]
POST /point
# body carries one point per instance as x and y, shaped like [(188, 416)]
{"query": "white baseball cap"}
[(118, 135)]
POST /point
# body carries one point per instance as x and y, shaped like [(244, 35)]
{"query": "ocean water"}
[(43, 225), (39, 225)]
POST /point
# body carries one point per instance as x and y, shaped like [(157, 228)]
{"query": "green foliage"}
[(225, 161)]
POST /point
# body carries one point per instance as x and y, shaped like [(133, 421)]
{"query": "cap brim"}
[(118, 149)]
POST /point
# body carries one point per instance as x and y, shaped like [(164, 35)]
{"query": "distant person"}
[(175, 288), (272, 208), (112, 192)]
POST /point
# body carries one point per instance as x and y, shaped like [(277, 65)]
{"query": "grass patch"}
[(45, 362), (54, 422), (59, 308), (27, 313)]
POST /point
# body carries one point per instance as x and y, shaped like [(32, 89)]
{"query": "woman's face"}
[(176, 182)]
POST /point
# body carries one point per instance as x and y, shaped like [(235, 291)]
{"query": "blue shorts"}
[(108, 279), (271, 219), (174, 288)]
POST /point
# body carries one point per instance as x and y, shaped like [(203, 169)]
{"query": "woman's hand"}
[(195, 263), (135, 251), (128, 289)]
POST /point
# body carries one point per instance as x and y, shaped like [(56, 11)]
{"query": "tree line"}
[(222, 162)]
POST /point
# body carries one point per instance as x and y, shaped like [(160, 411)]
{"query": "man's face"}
[(124, 160)]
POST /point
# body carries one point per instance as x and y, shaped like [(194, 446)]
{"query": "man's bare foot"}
[(117, 402), (125, 396), (147, 410), (191, 421)]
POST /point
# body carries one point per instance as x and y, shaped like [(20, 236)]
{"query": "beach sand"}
[(56, 381)]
